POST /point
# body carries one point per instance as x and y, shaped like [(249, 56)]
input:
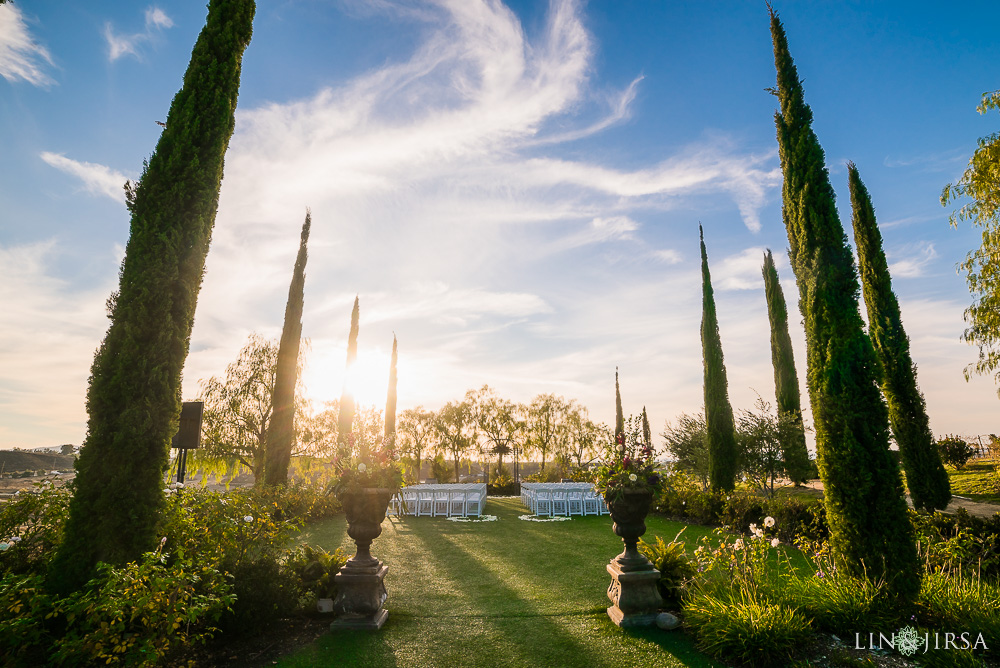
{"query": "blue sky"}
[(514, 190)]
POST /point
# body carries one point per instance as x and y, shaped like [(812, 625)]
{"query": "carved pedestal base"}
[(634, 595), (360, 597)]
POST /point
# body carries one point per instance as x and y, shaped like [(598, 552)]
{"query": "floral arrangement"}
[(359, 465), (628, 464)]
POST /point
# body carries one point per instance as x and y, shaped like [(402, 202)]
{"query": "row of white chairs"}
[(563, 499), (440, 500)]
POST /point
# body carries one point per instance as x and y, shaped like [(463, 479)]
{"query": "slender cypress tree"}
[(786, 380), (929, 485), (390, 397), (719, 423), (619, 414), (345, 419), (134, 397), (647, 433), (281, 429), (870, 531)]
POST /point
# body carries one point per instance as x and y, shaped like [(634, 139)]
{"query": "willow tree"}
[(346, 416), (794, 453), (860, 478), (720, 427), (134, 396), (281, 430), (926, 477)]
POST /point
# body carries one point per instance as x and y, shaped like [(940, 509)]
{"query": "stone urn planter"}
[(633, 593), (360, 583)]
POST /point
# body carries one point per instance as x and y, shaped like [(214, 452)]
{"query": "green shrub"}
[(797, 518), (741, 510), (958, 542), (755, 632), (315, 569), (676, 569), (264, 592), (31, 527), (955, 451), (961, 601)]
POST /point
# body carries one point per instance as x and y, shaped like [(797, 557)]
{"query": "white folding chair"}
[(543, 502), (442, 502), (574, 502), (591, 503), (425, 503), (560, 504), (474, 503), (456, 503)]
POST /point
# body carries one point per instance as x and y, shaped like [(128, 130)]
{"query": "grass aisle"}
[(504, 593)]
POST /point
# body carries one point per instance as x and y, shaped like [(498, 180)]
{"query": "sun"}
[(367, 381)]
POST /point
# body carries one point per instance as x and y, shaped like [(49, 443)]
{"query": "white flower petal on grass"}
[(533, 518), (484, 518)]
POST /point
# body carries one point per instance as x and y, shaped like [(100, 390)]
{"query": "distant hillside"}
[(19, 460)]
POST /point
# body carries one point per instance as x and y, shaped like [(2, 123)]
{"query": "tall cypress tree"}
[(786, 380), (281, 429), (719, 424), (870, 532), (647, 433), (619, 414), (345, 418), (390, 397), (926, 477), (134, 396)]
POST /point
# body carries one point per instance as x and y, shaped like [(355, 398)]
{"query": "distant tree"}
[(926, 478), (281, 430), (687, 444), (66, 449), (860, 478), (455, 424), (134, 397), (956, 451), (585, 437), (390, 398), (500, 421), (761, 433), (545, 427), (346, 416), (239, 407), (794, 454), (982, 270), (720, 427), (416, 433)]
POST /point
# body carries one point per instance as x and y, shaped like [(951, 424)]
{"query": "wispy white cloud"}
[(912, 260), (50, 331), (741, 271), (21, 57), (129, 44), (97, 179)]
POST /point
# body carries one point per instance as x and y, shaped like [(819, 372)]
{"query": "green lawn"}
[(975, 481), (504, 593)]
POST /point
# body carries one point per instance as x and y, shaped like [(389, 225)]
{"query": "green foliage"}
[(925, 475), (687, 445), (955, 451), (795, 455), (958, 542), (982, 273), (961, 600), (758, 633), (676, 569), (456, 428), (220, 564), (36, 520), (440, 470), (720, 427), (627, 464), (762, 436), (281, 428), (852, 431), (315, 569), (134, 397)]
